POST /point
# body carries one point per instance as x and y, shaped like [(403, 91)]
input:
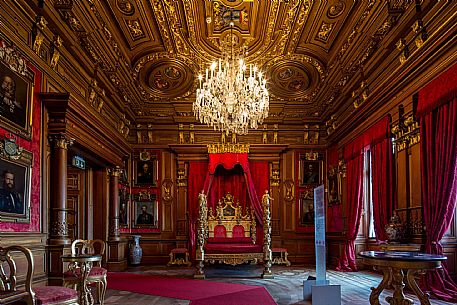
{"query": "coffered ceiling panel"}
[(315, 53)]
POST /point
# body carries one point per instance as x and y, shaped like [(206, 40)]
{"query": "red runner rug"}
[(199, 292)]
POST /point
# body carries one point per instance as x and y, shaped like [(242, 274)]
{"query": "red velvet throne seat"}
[(228, 235)]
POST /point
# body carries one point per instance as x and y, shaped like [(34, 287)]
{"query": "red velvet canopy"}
[(227, 173)]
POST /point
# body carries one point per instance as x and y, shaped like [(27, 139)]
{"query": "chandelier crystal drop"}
[(231, 98)]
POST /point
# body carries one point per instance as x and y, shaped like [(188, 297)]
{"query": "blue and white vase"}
[(136, 253)]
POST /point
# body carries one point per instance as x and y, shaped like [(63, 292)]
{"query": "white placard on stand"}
[(319, 289)]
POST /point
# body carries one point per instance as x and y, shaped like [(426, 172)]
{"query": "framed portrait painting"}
[(310, 172), (15, 188), (145, 172), (16, 94), (146, 213), (306, 207), (124, 199)]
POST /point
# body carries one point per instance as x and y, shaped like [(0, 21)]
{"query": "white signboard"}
[(319, 222)]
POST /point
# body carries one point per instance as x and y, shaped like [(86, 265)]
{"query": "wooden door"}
[(76, 203)]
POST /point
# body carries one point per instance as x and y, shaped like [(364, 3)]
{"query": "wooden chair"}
[(45, 295), (97, 274)]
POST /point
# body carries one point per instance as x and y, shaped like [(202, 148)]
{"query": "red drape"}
[(377, 136), (439, 172), (228, 161), (383, 179), (229, 172), (354, 179)]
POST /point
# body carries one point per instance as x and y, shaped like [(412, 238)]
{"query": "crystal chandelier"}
[(229, 99)]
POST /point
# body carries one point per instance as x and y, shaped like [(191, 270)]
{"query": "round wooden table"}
[(392, 264), (83, 263)]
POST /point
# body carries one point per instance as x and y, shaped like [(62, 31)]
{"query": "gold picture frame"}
[(16, 175), (16, 92)]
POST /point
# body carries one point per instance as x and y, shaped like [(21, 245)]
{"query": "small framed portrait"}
[(16, 94), (146, 213), (306, 207), (15, 188), (145, 172), (310, 172), (333, 186), (123, 207)]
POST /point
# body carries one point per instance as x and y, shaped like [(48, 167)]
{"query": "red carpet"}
[(199, 292)]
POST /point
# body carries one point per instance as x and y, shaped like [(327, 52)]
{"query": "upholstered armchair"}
[(45, 295), (97, 274)]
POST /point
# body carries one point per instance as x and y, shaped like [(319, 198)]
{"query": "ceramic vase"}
[(136, 253)]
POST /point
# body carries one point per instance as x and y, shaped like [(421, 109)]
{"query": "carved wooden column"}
[(59, 242), (114, 233), (58, 195), (117, 245)]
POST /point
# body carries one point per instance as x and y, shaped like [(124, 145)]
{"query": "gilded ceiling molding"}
[(163, 23), (288, 23), (354, 32), (126, 7), (324, 32), (135, 29), (173, 21), (336, 9), (143, 61), (302, 17), (274, 9)]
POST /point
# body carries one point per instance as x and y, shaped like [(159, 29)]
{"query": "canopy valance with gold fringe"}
[(222, 148)]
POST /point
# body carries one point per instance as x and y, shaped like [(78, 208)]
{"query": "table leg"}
[(399, 297), (410, 277), (375, 292), (85, 296)]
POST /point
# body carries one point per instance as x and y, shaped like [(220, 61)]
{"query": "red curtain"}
[(439, 172), (354, 179), (383, 179), (196, 179), (224, 173)]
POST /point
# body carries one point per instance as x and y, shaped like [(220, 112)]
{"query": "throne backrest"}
[(230, 221)]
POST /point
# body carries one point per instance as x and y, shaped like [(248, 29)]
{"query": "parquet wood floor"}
[(285, 288)]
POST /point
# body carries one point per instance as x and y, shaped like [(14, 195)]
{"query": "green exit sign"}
[(78, 162)]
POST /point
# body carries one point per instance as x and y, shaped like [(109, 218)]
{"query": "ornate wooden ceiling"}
[(314, 53)]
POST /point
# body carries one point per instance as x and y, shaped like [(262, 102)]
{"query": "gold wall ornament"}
[(264, 134), (275, 134), (115, 171), (10, 150), (60, 141), (227, 148), (37, 33), (181, 177), (234, 141), (150, 134), (421, 31), (55, 53), (181, 134), (274, 176), (167, 190), (404, 50), (342, 168), (191, 134), (289, 190), (406, 131)]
